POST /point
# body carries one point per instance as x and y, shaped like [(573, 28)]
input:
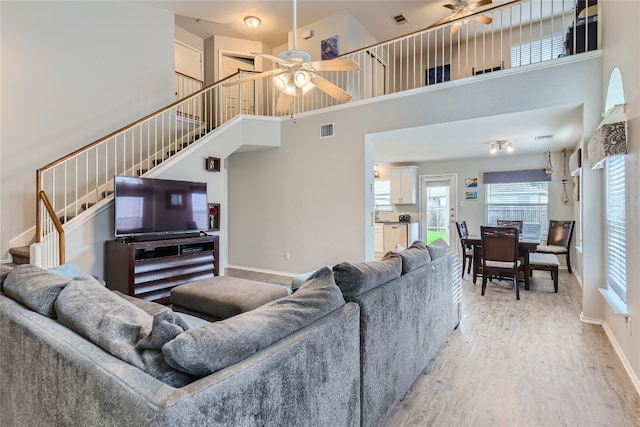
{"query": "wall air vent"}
[(400, 19), (326, 130)]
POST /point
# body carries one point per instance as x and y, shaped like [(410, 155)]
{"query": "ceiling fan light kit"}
[(297, 73), (499, 144)]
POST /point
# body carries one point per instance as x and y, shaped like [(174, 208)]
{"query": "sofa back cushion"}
[(202, 351), (438, 248), (35, 287), (414, 257), (119, 327), (356, 279)]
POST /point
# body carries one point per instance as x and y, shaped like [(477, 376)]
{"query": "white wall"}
[(309, 197), (189, 39), (351, 35), (71, 73), (620, 36)]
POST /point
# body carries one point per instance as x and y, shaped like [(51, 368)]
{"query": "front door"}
[(437, 207)]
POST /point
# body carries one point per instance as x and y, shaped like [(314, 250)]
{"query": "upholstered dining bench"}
[(545, 262), (222, 297)]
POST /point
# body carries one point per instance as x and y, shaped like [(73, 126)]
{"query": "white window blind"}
[(524, 201), (382, 194), (537, 51), (616, 228)]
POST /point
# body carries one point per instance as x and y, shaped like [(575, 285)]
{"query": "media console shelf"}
[(149, 269)]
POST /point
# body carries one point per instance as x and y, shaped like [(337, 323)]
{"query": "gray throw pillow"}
[(35, 287), (438, 248), (117, 326), (208, 349), (356, 279)]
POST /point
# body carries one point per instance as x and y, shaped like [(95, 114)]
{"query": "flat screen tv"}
[(150, 206)]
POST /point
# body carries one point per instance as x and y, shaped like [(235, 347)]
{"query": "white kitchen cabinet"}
[(404, 184), (378, 239)]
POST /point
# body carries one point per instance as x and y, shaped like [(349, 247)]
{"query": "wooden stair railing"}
[(49, 233)]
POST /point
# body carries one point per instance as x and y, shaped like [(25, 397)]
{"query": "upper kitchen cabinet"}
[(404, 183)]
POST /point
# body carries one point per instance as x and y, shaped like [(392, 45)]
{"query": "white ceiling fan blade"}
[(330, 89), (272, 58), (334, 65), (284, 102), (450, 6), (233, 82)]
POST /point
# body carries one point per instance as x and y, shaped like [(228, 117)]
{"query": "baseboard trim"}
[(260, 270), (616, 347), (625, 362)]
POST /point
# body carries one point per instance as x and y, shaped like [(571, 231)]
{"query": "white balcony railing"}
[(519, 33)]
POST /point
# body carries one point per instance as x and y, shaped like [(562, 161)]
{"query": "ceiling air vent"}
[(326, 130), (400, 19)]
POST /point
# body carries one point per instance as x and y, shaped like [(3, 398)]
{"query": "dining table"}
[(526, 243)]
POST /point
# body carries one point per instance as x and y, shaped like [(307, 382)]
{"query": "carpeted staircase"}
[(20, 255)]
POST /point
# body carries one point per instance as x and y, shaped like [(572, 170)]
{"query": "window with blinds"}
[(524, 201), (616, 228), (537, 51), (382, 195)]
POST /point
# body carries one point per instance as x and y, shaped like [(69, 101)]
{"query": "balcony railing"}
[(520, 33)]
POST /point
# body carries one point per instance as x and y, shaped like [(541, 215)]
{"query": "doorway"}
[(239, 99), (437, 207)]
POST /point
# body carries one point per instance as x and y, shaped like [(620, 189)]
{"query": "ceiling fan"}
[(461, 9), (298, 74)]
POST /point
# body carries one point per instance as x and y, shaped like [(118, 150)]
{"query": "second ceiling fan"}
[(297, 74), (461, 9)]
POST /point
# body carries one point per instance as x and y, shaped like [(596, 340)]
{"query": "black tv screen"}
[(145, 206)]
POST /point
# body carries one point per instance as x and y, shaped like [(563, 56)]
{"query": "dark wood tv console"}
[(149, 269)]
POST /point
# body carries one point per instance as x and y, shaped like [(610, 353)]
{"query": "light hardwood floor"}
[(523, 363), (518, 363)]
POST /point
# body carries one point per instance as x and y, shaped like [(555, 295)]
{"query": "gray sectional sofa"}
[(74, 353)]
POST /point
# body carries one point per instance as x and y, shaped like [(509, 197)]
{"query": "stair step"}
[(156, 162), (64, 219), (86, 206), (20, 254), (106, 193), (141, 172)]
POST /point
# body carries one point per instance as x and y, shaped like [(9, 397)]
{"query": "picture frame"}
[(329, 48), (212, 164), (214, 216)]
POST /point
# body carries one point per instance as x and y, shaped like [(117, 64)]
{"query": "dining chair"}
[(467, 250), (559, 240), (510, 223), (500, 254)]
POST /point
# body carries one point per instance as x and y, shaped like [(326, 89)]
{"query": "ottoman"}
[(222, 297)]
